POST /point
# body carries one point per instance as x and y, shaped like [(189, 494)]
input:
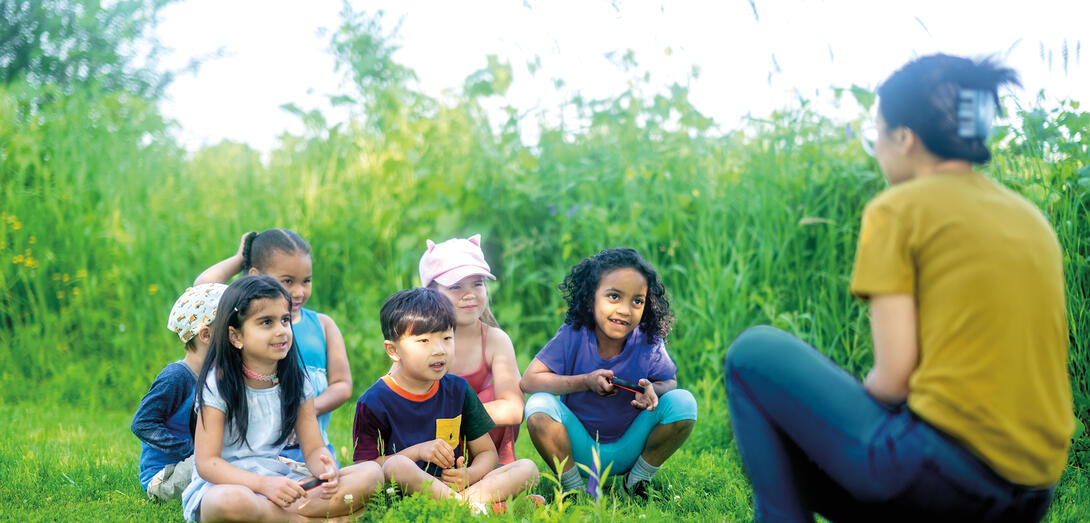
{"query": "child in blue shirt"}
[(617, 321), (420, 423), (162, 420)]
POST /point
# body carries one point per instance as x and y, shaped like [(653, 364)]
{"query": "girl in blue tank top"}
[(284, 255)]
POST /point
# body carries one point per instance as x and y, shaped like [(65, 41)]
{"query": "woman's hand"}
[(332, 477), (457, 478), (648, 399), (598, 382), (281, 490)]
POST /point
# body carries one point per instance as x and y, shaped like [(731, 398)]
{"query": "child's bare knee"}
[(372, 474), (529, 468), (367, 474), (539, 422), (229, 503), (397, 466)]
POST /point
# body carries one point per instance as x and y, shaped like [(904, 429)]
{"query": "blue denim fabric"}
[(813, 440)]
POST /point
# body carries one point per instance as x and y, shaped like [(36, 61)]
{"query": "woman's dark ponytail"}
[(928, 95)]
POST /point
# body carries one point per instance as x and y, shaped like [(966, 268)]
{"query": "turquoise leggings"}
[(675, 405)]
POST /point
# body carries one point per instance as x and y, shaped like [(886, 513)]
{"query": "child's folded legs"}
[(169, 483)]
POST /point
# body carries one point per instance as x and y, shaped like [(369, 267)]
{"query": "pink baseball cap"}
[(449, 262)]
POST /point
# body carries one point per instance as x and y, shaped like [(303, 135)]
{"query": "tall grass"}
[(106, 221)]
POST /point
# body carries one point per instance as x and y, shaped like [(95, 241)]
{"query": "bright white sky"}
[(275, 53)]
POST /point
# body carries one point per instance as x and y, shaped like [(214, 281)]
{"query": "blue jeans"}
[(813, 440), (675, 405)]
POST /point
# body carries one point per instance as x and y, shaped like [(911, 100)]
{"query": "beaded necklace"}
[(271, 378)]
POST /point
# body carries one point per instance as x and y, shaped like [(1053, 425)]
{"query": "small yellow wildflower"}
[(152, 289), (82, 273), (65, 278), (56, 276), (17, 225), (696, 193), (60, 295), (17, 259), (75, 291), (32, 239), (31, 263)]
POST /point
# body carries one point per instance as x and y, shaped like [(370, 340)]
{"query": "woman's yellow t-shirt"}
[(987, 273)]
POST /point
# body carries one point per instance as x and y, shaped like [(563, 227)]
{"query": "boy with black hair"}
[(419, 422)]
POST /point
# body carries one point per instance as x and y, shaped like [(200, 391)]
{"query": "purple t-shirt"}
[(573, 352)]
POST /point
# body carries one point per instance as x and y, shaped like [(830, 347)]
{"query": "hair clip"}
[(976, 110)]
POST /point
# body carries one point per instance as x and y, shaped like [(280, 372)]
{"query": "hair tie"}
[(976, 110)]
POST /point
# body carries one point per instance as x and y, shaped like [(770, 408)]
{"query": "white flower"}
[(348, 498), (390, 490), (643, 516), (677, 498)]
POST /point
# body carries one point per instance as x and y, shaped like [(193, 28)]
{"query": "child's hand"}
[(242, 243), (457, 478), (281, 490), (332, 477), (647, 400), (436, 451), (598, 382)]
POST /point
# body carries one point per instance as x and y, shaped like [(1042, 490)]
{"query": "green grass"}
[(76, 465)]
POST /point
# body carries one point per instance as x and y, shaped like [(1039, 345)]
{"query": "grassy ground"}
[(81, 466)]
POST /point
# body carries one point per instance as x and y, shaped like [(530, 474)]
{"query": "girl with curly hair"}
[(608, 362)]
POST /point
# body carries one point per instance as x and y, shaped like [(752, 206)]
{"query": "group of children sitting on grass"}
[(238, 428)]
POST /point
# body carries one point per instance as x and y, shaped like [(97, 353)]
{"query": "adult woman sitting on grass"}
[(966, 414)]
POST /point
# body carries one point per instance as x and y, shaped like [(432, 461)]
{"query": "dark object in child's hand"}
[(626, 384), (311, 483)]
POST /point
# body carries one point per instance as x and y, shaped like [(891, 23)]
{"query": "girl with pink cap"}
[(483, 353)]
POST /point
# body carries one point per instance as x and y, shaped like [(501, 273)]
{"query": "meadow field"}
[(106, 220)]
